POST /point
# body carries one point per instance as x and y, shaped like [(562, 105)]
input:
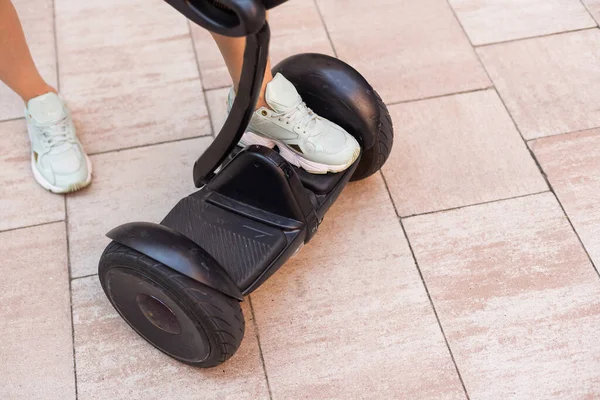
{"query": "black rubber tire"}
[(373, 159), (219, 316)]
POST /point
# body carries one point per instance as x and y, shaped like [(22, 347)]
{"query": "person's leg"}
[(17, 69), (58, 161), (232, 50)]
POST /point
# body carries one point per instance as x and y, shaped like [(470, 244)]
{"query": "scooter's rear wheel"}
[(179, 316)]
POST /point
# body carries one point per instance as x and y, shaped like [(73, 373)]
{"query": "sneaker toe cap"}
[(67, 171), (337, 145)]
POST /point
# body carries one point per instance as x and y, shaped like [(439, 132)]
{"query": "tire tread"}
[(220, 316)]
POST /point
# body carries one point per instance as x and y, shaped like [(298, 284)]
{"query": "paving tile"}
[(572, 164), (132, 185), (349, 317), (36, 348), (296, 27), (217, 106), (489, 21), (593, 7), (113, 362), (517, 297), (22, 201), (128, 72), (407, 49), (37, 20), (550, 84), (458, 150)]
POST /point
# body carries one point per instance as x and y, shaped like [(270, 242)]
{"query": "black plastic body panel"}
[(177, 252), (243, 247), (260, 177)]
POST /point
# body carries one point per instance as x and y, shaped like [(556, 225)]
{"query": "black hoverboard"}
[(179, 283)]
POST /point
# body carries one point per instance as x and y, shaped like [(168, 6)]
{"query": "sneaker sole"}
[(293, 157), (58, 190)]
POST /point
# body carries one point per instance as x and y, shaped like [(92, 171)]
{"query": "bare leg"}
[(17, 69), (232, 50)]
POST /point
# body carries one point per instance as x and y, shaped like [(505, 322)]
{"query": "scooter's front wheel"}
[(182, 318)]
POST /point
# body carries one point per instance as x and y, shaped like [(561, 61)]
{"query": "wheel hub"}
[(153, 312)]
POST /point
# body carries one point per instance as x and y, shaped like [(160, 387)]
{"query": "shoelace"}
[(56, 134), (299, 114)]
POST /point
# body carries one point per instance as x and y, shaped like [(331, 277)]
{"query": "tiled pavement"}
[(469, 271)]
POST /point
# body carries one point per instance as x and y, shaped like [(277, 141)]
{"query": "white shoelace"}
[(299, 114), (56, 133)]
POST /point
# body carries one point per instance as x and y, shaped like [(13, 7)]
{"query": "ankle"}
[(36, 92), (261, 103)]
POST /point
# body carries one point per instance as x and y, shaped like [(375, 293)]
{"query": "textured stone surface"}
[(36, 346), (129, 82), (490, 21), (455, 151), (517, 297), (22, 201), (572, 164), (549, 84)]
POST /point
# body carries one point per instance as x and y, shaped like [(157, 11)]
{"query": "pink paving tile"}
[(455, 151), (131, 185), (217, 106), (22, 201), (406, 49), (348, 318), (551, 84), (593, 7), (113, 362), (489, 21), (38, 24), (295, 28), (572, 164), (128, 72), (517, 297), (36, 347)]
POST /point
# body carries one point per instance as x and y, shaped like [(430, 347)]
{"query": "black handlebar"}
[(226, 17), (253, 72), (232, 18)]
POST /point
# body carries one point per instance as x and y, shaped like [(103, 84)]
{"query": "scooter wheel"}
[(182, 318), (374, 158)]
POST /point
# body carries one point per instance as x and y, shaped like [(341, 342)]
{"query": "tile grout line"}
[(66, 222), (11, 119), (142, 146), (563, 209), (473, 48), (439, 96), (83, 276), (542, 172), (31, 226), (589, 12), (474, 204), (55, 45), (193, 43), (414, 257), (262, 358), (210, 89), (335, 53), (545, 35), (563, 134)]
